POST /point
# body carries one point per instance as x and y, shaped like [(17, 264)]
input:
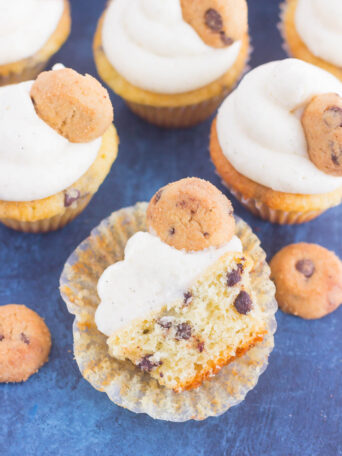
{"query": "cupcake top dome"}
[(166, 54), (25, 26), (260, 129), (37, 159)]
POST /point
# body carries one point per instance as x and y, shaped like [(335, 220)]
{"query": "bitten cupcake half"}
[(57, 146), (172, 61), (31, 32), (277, 141), (312, 31), (167, 296)]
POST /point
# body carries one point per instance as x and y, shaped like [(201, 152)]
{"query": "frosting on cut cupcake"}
[(151, 46), (35, 161), (25, 26), (152, 274), (260, 132), (319, 24)]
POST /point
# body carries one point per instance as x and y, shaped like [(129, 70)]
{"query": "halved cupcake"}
[(57, 146), (172, 61), (31, 32), (266, 151)]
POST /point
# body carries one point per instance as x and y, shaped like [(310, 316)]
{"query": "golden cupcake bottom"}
[(170, 111), (271, 205), (294, 43), (29, 68), (54, 212), (125, 384)]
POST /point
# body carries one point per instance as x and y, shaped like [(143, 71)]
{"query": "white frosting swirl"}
[(259, 126), (319, 24), (150, 45), (152, 275), (25, 26), (35, 161)]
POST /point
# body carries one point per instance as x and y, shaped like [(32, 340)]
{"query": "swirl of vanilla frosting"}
[(259, 126), (152, 47), (319, 24), (35, 161), (25, 26)]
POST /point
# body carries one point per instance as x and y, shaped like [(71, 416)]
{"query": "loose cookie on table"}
[(322, 123), (218, 22), (191, 214), (308, 280), (25, 343), (76, 106)]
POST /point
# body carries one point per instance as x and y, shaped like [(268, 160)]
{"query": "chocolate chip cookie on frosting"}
[(57, 144), (312, 31), (172, 61), (31, 32), (277, 141), (181, 304)]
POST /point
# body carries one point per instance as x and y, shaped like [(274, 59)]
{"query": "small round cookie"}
[(191, 214), (218, 22), (25, 343), (76, 106), (322, 123), (308, 280)]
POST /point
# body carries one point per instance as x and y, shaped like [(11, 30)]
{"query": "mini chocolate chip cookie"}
[(322, 123), (308, 280), (218, 22), (25, 343), (191, 214)]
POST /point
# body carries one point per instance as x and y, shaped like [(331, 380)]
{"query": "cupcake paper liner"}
[(124, 383), (49, 224)]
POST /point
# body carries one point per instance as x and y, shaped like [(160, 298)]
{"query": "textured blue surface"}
[(297, 405)]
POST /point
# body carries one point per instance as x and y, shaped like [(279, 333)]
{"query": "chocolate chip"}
[(161, 374), (243, 303), (71, 196), (187, 298), (24, 338), (147, 365), (158, 196), (172, 231), (2, 337), (305, 267), (336, 152), (233, 277), (183, 331), (206, 235), (332, 116), (213, 20), (226, 40), (146, 331), (200, 346), (165, 322)]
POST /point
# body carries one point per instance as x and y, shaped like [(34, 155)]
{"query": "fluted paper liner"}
[(125, 384)]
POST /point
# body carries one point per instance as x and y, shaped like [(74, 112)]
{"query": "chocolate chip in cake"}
[(243, 303), (71, 196), (161, 374), (172, 231), (24, 338), (200, 346), (206, 234), (226, 39), (305, 267), (332, 117), (233, 277), (213, 20), (158, 196), (165, 322), (147, 365), (187, 298), (183, 331), (2, 337)]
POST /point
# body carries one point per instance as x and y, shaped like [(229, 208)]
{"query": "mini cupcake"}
[(57, 146), (31, 32), (176, 321), (312, 31), (172, 61), (276, 141)]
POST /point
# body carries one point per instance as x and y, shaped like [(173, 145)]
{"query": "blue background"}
[(296, 407)]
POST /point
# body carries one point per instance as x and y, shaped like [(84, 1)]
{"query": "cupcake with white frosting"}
[(173, 303), (57, 146), (31, 31), (312, 30), (277, 141), (172, 61)]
